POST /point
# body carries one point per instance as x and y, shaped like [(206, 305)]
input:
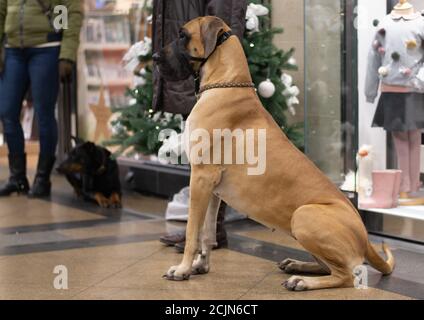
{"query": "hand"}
[(65, 70)]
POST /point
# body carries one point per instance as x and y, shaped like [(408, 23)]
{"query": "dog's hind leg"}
[(208, 237), (336, 238), (203, 181)]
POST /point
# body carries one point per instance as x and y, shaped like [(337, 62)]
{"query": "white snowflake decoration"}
[(131, 59), (253, 12)]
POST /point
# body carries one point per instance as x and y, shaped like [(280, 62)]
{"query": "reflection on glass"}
[(323, 85)]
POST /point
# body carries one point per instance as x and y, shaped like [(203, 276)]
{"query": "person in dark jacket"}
[(168, 18), (179, 97)]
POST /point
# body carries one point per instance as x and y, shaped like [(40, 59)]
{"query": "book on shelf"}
[(107, 30)]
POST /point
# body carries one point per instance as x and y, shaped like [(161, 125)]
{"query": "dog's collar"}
[(223, 37), (225, 85)]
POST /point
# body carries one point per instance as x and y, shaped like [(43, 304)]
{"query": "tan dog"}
[(292, 195)]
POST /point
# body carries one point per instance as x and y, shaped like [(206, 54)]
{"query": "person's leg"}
[(401, 140), (13, 85), (415, 159), (221, 233), (44, 75)]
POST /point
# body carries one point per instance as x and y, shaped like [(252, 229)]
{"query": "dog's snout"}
[(157, 57)]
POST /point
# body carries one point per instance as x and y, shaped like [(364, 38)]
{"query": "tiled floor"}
[(117, 255)]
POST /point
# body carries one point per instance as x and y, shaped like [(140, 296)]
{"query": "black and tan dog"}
[(93, 174), (292, 195)]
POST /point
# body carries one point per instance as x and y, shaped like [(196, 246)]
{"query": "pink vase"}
[(384, 190)]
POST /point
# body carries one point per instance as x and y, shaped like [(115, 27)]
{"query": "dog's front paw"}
[(177, 273), (295, 284), (102, 201), (115, 201)]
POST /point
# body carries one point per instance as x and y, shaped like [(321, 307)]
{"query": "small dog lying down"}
[(93, 174)]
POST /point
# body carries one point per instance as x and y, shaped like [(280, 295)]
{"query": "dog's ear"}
[(89, 148), (210, 30)]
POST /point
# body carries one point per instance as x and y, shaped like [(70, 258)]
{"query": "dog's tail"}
[(377, 262)]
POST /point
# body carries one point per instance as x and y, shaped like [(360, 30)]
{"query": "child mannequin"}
[(398, 45)]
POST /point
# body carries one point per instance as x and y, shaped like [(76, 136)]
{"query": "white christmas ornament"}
[(266, 89)]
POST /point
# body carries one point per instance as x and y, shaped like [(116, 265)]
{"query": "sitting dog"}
[(93, 174), (292, 195)]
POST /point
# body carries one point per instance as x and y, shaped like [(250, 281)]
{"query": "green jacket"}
[(25, 25)]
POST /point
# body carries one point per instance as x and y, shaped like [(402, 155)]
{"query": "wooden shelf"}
[(105, 47), (95, 82)]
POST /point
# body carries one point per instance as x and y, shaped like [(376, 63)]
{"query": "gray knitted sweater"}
[(396, 57)]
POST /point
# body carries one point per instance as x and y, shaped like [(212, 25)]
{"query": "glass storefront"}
[(364, 146)]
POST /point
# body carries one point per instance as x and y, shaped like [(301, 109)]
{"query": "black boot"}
[(42, 185), (18, 182)]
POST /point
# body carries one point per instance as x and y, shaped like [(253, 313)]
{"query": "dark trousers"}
[(38, 68)]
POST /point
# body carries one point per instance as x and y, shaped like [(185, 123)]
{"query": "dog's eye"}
[(182, 35)]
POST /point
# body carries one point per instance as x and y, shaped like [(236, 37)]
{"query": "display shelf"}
[(109, 82), (149, 176), (105, 47), (105, 38)]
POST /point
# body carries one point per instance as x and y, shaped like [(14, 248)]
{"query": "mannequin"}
[(404, 8), (414, 138), (393, 67)]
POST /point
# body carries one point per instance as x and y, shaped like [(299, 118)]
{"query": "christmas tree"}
[(267, 64), (137, 127)]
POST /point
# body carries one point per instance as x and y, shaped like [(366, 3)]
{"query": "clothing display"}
[(400, 111), (396, 67), (396, 56)]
